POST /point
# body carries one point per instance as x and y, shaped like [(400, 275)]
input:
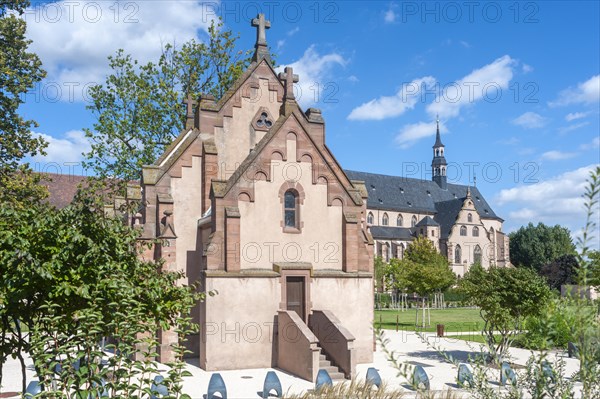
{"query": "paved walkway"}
[(408, 346)]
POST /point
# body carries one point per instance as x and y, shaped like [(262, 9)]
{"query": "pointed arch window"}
[(370, 218), (413, 222), (475, 231), (399, 221), (290, 204), (385, 220), (463, 230), (470, 218), (457, 254), (477, 254)]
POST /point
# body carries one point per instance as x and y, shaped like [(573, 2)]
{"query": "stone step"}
[(337, 376), (324, 364), (332, 370), (322, 357)]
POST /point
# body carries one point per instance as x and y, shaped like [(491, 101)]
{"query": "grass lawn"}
[(453, 319)]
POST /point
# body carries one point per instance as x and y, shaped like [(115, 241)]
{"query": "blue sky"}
[(516, 84)]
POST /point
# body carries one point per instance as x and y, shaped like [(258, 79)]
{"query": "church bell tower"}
[(439, 164)]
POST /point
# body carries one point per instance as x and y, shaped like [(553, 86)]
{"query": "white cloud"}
[(64, 150), (293, 31), (465, 44), (557, 200), (571, 116), (527, 68), (390, 16), (314, 70), (570, 128), (411, 133), (557, 155), (530, 120), (74, 39), (594, 144), (353, 78), (480, 84), (391, 106), (587, 92)]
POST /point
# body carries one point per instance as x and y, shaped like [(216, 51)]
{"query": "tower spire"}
[(261, 48), (438, 164)]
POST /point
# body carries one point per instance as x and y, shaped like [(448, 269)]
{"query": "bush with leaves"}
[(506, 297), (73, 276)]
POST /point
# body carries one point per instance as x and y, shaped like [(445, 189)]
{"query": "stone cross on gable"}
[(262, 24), (190, 104), (288, 77)]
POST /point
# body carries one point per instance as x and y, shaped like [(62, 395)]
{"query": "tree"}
[(423, 270), (139, 108), (594, 266), (561, 271), (72, 276), (505, 296), (428, 270), (19, 71), (536, 246)]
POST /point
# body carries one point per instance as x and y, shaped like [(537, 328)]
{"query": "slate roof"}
[(391, 233), (427, 221), (405, 194)]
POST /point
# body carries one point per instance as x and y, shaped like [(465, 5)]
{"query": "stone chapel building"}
[(456, 218), (250, 201)]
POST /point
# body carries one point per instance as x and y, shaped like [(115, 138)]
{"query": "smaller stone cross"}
[(288, 77), (190, 103), (262, 24)]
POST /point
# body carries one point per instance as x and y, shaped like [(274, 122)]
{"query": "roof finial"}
[(262, 51), (438, 140)]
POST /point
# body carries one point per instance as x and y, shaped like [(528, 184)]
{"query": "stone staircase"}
[(326, 364)]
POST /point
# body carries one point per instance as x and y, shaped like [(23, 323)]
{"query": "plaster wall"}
[(262, 239), (354, 309)]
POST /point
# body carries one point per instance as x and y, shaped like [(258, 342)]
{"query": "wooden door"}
[(295, 296)]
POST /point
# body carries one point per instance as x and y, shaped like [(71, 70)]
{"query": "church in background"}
[(456, 218)]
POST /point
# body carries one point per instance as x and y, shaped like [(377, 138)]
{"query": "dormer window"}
[(470, 218)]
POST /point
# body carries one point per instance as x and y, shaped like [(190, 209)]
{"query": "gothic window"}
[(370, 218), (413, 222), (401, 251), (379, 249), (463, 230), (477, 255), (457, 254), (290, 205), (399, 221), (475, 231), (386, 254), (470, 218), (385, 220)]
